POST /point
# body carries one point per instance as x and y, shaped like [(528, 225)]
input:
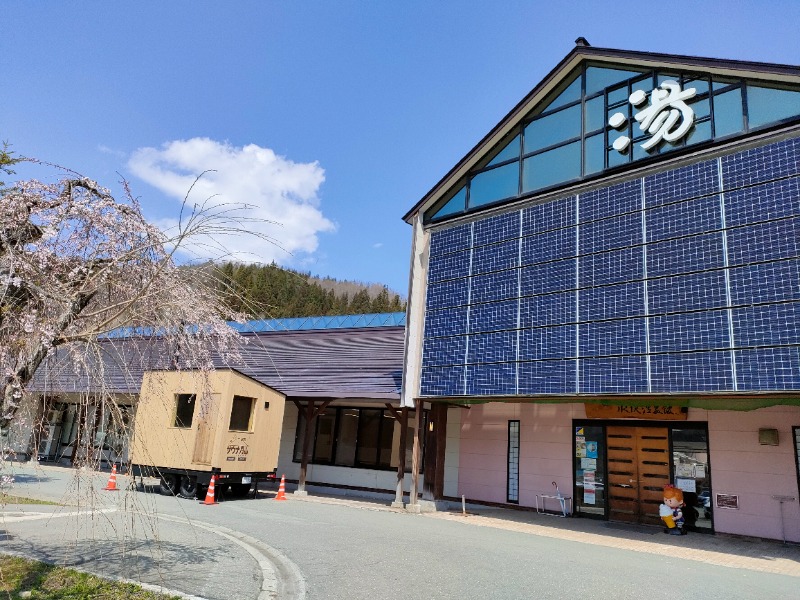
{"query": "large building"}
[(606, 295)]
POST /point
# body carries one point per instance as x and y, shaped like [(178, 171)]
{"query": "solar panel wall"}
[(683, 281)]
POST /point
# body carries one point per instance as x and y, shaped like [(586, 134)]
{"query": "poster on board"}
[(580, 446), (591, 449), (589, 487)]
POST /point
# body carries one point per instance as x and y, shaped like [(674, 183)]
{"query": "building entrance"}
[(638, 470), (621, 468)]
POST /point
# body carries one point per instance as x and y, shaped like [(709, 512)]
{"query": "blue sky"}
[(332, 117)]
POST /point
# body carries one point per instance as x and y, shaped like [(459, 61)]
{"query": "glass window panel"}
[(690, 462), (555, 166), (512, 485), (242, 414), (552, 129), (571, 94), (599, 78), (595, 153), (368, 430), (701, 108), (346, 438), (701, 85), (616, 158), (700, 133), (507, 153), (495, 184), (768, 105), (323, 448), (618, 95), (387, 435), (728, 113), (594, 114), (645, 85), (300, 434), (184, 410), (590, 489), (640, 153), (455, 205)]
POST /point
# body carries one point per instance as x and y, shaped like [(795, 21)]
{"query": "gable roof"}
[(355, 362), (581, 53)]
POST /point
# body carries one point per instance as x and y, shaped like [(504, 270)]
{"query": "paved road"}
[(354, 550)]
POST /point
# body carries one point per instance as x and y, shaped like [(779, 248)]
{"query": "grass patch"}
[(47, 582), (9, 499)]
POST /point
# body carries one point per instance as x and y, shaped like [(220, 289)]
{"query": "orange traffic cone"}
[(210, 493), (111, 486), (282, 489)]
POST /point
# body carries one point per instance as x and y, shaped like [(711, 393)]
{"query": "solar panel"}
[(543, 343), (656, 284), (691, 181), (683, 218), (763, 202), (691, 371)]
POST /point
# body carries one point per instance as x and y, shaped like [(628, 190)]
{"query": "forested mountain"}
[(271, 292)]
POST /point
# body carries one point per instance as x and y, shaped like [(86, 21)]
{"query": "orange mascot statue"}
[(670, 512)]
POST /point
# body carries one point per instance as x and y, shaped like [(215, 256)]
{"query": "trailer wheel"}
[(188, 487), (168, 484)]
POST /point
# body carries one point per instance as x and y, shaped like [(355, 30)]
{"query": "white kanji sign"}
[(667, 117)]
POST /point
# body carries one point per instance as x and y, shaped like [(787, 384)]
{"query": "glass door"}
[(692, 475), (590, 470)]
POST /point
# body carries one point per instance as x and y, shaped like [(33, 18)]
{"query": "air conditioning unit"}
[(54, 416)]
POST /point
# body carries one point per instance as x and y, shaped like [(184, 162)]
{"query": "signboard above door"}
[(658, 413)]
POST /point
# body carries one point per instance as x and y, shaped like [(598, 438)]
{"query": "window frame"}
[(251, 414), (717, 85), (191, 400), (356, 463), (513, 425), (796, 445)]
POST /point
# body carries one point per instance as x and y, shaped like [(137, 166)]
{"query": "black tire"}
[(240, 490), (168, 485), (188, 487)]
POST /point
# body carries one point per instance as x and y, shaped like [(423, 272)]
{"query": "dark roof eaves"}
[(593, 52)]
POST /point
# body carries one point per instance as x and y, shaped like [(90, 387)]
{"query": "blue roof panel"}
[(397, 319)]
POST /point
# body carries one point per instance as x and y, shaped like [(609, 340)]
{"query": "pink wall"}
[(739, 465), (545, 450)]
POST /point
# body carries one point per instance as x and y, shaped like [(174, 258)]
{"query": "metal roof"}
[(335, 322), (359, 356)]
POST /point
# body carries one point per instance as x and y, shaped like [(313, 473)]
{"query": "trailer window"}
[(184, 410), (241, 413)]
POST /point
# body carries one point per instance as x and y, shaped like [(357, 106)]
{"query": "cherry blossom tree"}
[(76, 263)]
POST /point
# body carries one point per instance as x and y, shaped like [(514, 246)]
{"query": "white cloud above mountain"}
[(281, 197)]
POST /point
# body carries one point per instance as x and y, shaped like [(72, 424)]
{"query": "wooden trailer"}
[(190, 425)]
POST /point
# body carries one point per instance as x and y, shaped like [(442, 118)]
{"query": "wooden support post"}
[(308, 416), (402, 418), (416, 455)]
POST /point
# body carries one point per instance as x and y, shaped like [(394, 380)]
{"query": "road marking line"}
[(290, 586), (55, 515)]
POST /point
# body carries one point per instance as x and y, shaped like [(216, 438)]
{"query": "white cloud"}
[(106, 150), (281, 195), (377, 245)]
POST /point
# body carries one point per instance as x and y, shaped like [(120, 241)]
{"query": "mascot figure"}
[(670, 512)]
